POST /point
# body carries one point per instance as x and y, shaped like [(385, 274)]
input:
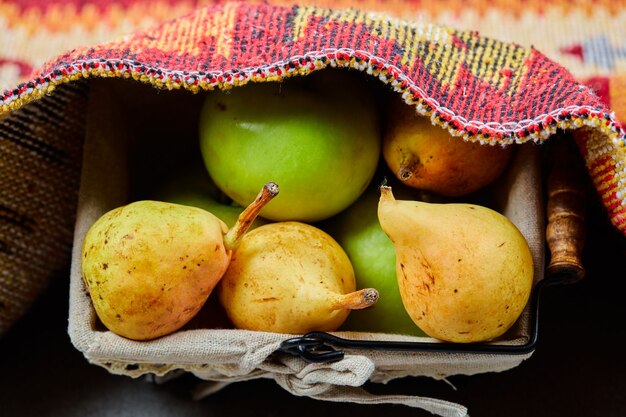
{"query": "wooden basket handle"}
[(566, 210)]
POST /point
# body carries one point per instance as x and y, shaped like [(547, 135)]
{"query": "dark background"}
[(578, 368)]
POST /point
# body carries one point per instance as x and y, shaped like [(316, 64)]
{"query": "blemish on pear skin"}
[(429, 274), (266, 299), (105, 266), (403, 272), (501, 244)]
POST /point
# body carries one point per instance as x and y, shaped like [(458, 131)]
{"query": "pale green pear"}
[(194, 187)]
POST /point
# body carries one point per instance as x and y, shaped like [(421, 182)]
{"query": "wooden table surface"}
[(578, 368)]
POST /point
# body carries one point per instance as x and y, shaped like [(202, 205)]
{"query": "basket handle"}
[(566, 210)]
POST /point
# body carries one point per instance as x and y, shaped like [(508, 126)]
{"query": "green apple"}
[(318, 137), (374, 260)]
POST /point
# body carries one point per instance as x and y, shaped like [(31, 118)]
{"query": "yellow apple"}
[(428, 157)]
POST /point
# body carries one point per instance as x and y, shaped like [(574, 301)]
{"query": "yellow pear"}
[(149, 266), (465, 271), (290, 277), (427, 157)]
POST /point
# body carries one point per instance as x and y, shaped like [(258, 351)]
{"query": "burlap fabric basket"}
[(55, 145)]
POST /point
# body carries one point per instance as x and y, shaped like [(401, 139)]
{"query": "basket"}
[(112, 163)]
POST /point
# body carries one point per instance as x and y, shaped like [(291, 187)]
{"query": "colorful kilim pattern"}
[(476, 87), (584, 36)]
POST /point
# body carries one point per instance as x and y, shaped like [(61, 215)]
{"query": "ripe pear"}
[(427, 157), (465, 271), (149, 266), (373, 258), (290, 277)]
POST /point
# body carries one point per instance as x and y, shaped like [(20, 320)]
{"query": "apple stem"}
[(386, 194), (249, 214), (356, 300)]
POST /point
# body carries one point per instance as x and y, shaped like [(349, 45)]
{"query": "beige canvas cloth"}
[(223, 356)]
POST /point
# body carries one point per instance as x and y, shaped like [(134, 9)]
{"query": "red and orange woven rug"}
[(487, 71), (585, 36)]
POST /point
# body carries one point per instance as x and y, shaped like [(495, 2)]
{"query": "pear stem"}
[(249, 214), (385, 193), (356, 300)]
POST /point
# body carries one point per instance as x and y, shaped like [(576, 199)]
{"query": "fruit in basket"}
[(290, 277), (195, 188), (149, 266), (465, 271), (305, 133), (427, 157), (373, 258)]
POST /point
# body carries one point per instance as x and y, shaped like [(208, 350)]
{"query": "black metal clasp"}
[(311, 349)]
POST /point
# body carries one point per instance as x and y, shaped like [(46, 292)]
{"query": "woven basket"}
[(112, 162)]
